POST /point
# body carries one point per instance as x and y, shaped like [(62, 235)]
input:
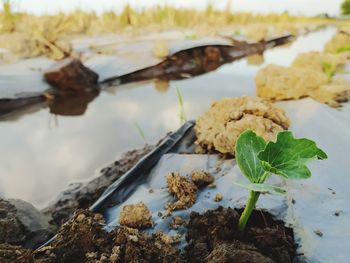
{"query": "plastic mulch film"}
[(319, 204)]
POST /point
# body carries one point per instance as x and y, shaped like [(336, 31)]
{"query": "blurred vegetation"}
[(30, 35), (156, 18), (8, 17), (345, 7)]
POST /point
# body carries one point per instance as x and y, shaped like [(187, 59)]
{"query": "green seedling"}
[(140, 131), (329, 69), (182, 107), (345, 48), (257, 160)]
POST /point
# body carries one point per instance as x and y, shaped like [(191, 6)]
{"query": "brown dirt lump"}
[(219, 128), (136, 215)]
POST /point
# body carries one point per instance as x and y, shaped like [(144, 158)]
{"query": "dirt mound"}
[(219, 128), (22, 224), (83, 239), (320, 61), (339, 43), (283, 83), (213, 237), (14, 254)]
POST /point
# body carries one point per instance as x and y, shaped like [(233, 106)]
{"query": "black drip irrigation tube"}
[(123, 187)]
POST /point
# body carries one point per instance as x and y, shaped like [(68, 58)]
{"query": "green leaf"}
[(345, 48), (329, 69), (248, 146), (264, 188), (288, 156)]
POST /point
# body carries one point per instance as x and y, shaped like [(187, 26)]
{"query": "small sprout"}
[(257, 159), (329, 69), (182, 107), (140, 131), (345, 48), (191, 37)]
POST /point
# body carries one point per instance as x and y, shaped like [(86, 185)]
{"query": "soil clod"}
[(318, 232), (219, 128), (183, 189), (137, 216), (218, 197), (177, 222), (202, 178)]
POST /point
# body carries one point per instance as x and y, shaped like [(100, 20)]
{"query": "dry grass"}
[(46, 34)]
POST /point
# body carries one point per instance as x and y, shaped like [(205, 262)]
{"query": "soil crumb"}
[(166, 239), (183, 189), (213, 237), (176, 222), (318, 232), (219, 128), (136, 215), (202, 178), (218, 197)]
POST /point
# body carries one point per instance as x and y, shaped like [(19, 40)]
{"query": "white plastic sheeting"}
[(309, 205)]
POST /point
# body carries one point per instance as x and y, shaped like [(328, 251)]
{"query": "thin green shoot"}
[(140, 132), (329, 69), (182, 114), (345, 48)]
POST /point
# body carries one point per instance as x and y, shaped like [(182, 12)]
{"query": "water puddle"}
[(42, 152)]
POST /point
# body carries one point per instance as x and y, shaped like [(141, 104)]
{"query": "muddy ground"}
[(212, 237)]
